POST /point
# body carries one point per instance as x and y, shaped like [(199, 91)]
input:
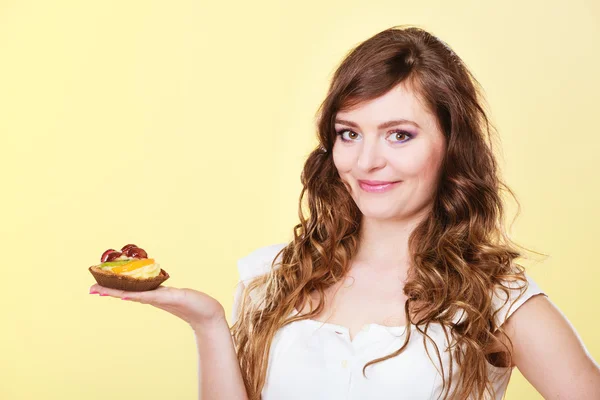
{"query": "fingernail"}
[(102, 294), (93, 292), (125, 298)]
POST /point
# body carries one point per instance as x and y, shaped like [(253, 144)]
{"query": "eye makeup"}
[(407, 134)]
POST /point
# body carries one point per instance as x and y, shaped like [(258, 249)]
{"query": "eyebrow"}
[(381, 126)]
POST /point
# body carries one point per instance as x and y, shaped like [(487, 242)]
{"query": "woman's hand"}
[(198, 309)]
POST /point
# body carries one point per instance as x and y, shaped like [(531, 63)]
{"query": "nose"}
[(370, 156)]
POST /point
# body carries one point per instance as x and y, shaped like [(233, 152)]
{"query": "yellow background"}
[(183, 126)]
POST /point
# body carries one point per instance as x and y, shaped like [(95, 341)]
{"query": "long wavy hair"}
[(460, 253)]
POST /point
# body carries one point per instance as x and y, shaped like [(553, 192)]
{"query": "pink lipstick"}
[(377, 186)]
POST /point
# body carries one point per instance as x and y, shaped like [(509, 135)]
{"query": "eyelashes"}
[(407, 134)]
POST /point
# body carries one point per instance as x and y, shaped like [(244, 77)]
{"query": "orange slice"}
[(130, 266)]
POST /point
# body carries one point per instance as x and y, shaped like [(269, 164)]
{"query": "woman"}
[(401, 281)]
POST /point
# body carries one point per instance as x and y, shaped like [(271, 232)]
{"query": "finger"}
[(147, 297), (94, 288)]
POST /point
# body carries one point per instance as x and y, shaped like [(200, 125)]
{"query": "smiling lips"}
[(377, 186)]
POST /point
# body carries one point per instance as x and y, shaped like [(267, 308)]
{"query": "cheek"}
[(423, 164), (413, 166), (342, 161)]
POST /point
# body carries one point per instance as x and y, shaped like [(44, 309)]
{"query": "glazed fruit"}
[(131, 265), (110, 255), (127, 246), (113, 263), (135, 252)]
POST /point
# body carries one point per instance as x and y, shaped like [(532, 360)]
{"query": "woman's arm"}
[(219, 375), (550, 354)]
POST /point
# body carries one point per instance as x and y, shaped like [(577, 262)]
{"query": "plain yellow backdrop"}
[(183, 126)]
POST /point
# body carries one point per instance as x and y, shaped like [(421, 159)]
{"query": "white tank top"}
[(310, 359)]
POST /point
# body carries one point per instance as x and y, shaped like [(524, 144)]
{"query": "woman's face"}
[(408, 152)]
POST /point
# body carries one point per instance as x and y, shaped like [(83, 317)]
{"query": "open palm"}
[(192, 306)]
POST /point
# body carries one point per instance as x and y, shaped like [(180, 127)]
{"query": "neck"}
[(385, 242)]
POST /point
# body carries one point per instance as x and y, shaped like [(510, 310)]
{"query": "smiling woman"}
[(402, 280)]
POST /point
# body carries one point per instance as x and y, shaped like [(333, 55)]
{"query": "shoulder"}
[(506, 300), (258, 262), (549, 352)]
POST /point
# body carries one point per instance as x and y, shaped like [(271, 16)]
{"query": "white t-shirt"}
[(311, 359)]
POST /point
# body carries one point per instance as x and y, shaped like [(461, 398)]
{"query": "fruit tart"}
[(129, 269)]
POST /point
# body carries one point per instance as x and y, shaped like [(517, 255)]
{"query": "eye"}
[(400, 133), (340, 133)]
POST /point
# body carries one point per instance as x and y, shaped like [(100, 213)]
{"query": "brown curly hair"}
[(460, 252)]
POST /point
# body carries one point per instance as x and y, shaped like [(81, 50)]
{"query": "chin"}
[(377, 212)]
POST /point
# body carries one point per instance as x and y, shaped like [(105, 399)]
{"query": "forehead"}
[(402, 101)]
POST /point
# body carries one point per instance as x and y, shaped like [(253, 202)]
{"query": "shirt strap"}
[(258, 262), (530, 289), (515, 298)]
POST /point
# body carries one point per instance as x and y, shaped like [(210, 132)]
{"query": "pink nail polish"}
[(125, 298), (93, 292), (102, 294)]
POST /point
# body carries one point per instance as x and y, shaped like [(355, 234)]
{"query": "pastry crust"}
[(124, 282)]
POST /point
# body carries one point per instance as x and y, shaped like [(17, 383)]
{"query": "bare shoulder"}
[(549, 352)]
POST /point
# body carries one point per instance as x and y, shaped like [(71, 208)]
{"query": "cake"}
[(129, 269)]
